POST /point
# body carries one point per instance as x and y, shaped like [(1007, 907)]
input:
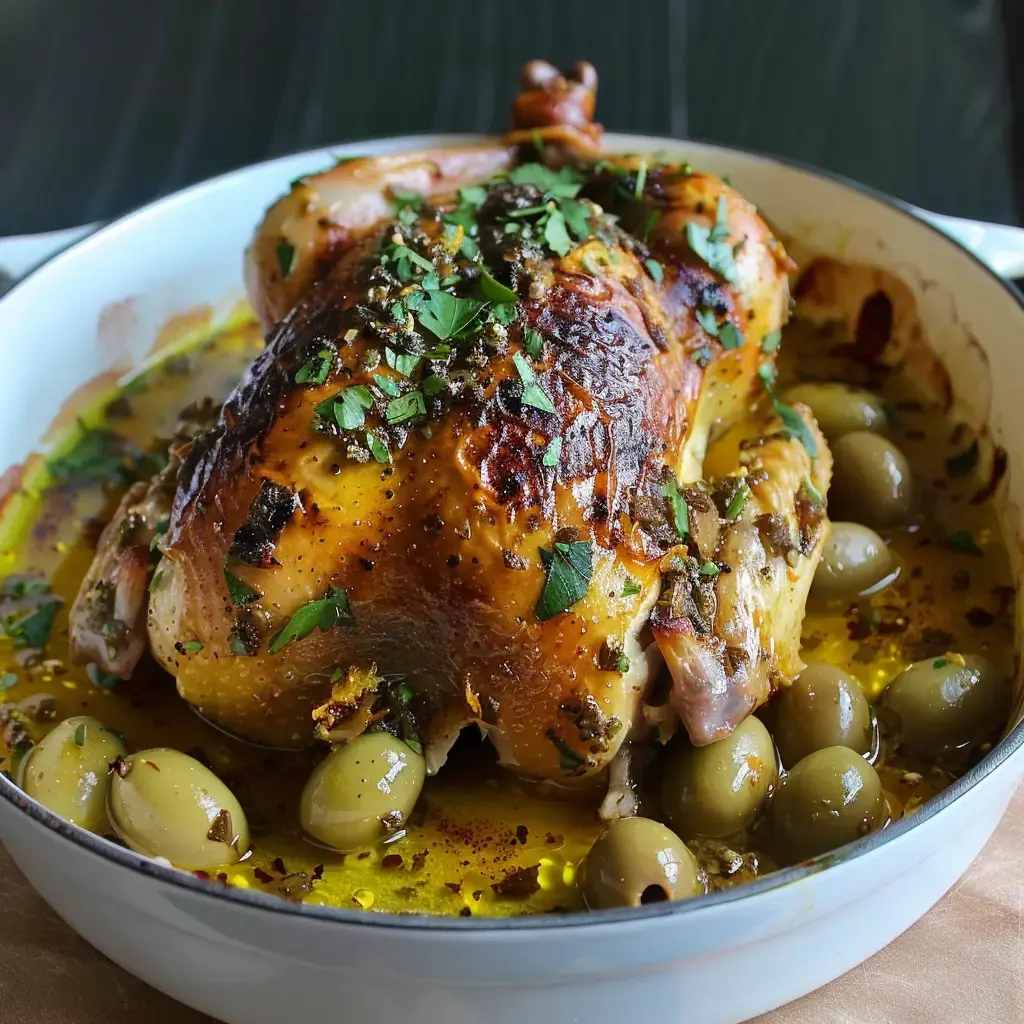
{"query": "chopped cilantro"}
[(622, 663), (812, 492), (533, 393), (25, 586), (556, 235), (330, 611), (31, 628), (563, 183), (678, 508), (285, 258), (348, 407), (553, 452), (630, 588), (316, 369), (80, 735), (404, 198), (99, 454), (568, 759), (403, 252), (191, 647), (738, 501), (569, 569), (101, 680), (709, 569), (240, 591), (473, 195), (432, 385), (940, 663), (407, 407), (795, 425), (655, 270), (494, 290), (707, 319), (770, 342), (401, 362), (712, 245), (577, 217)]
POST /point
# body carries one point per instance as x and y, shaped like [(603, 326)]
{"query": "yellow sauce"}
[(476, 826)]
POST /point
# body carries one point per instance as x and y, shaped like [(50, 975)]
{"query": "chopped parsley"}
[(795, 426), (569, 570), (677, 506), (432, 385), (707, 319), (654, 268), (568, 759), (812, 492), (446, 316), (240, 591), (709, 569), (378, 449), (191, 647), (316, 369), (563, 183), (80, 735), (770, 342), (556, 234), (285, 258), (348, 407), (401, 362), (738, 501), (630, 588), (330, 611), (387, 385), (494, 290), (939, 663), (405, 408), (533, 393), (30, 627), (729, 335), (553, 452), (712, 244), (99, 454), (533, 342)]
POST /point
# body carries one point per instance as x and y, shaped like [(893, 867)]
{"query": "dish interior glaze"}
[(481, 841)]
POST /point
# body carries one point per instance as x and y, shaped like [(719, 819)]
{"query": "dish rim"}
[(260, 901)]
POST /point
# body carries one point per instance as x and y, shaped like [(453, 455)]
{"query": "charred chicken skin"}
[(474, 457)]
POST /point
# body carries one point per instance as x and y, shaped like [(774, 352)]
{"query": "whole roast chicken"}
[(465, 482)]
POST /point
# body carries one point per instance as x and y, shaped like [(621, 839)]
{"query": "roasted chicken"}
[(469, 479)]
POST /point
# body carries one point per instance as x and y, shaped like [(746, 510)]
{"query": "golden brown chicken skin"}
[(461, 457)]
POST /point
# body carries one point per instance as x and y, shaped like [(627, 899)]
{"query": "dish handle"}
[(1000, 246)]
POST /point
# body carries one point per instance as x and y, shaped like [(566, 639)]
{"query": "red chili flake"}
[(278, 865), (262, 876), (392, 861), (203, 876)]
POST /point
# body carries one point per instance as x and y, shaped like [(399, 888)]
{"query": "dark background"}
[(105, 104)]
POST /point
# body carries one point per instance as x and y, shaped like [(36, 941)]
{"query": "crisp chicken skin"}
[(459, 458)]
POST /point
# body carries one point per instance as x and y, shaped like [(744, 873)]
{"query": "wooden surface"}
[(105, 104)]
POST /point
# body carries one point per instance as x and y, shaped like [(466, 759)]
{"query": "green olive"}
[(854, 561), (719, 790), (941, 703), (166, 804), (824, 707), (830, 798), (361, 791), (840, 409), (871, 480), (636, 861), (67, 771)]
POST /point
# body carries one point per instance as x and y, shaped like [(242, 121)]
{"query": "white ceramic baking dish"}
[(246, 958)]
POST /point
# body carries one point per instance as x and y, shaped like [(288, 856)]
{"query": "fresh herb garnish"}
[(630, 588), (330, 611), (348, 407), (316, 369), (794, 425), (622, 663), (678, 508), (191, 647), (709, 569), (446, 316), (158, 531), (285, 258), (25, 586), (31, 628), (378, 449), (729, 335), (563, 183), (707, 319), (962, 541), (404, 363), (494, 290), (100, 454), (712, 245), (7, 680), (432, 385), (770, 342), (654, 268), (569, 570), (737, 501), (553, 452), (80, 735), (568, 759), (641, 180), (100, 679), (533, 342), (387, 385), (240, 591), (556, 235), (812, 492), (939, 663), (533, 394), (407, 407), (963, 463)]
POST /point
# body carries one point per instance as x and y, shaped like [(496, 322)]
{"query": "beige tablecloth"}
[(963, 962)]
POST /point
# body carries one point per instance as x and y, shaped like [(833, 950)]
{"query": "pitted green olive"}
[(636, 861), (840, 409), (361, 791), (871, 480), (830, 798), (941, 703), (719, 790), (824, 707), (67, 771), (854, 561), (166, 804)]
